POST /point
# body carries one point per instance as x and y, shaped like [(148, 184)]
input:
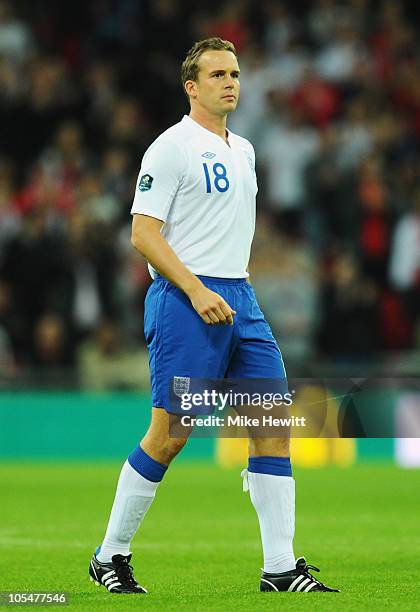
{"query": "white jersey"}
[(204, 190)]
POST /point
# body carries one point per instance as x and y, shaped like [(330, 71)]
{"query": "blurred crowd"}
[(330, 99)]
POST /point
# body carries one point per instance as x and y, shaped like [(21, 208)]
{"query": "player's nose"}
[(230, 83)]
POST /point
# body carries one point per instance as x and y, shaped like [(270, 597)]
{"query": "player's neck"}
[(212, 123)]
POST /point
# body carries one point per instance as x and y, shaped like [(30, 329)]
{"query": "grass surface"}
[(199, 549)]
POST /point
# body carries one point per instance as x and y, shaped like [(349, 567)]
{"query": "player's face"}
[(217, 86)]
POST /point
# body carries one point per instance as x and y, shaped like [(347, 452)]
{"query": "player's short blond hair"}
[(190, 68)]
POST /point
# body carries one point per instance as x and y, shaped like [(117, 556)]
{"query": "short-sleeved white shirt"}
[(204, 190)]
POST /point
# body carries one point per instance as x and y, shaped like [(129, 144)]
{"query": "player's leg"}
[(139, 479), (157, 442), (269, 474), (271, 486), (146, 465), (179, 346), (272, 492)]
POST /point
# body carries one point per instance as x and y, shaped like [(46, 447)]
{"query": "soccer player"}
[(193, 220)]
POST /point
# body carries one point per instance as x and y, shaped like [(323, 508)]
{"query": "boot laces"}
[(305, 570), (124, 573)]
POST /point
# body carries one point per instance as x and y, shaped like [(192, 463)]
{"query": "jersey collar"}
[(187, 119)]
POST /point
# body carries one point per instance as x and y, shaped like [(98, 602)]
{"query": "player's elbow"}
[(144, 231), (137, 240), (138, 233)]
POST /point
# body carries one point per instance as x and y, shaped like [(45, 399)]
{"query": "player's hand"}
[(211, 307)]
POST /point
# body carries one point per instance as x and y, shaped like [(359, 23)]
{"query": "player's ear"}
[(191, 88)]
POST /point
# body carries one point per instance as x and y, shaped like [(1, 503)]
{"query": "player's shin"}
[(137, 484), (272, 491)]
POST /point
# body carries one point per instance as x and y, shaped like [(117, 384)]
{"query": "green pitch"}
[(198, 548)]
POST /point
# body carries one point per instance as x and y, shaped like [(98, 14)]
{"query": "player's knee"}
[(269, 447), (172, 447)]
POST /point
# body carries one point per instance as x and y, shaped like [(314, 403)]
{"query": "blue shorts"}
[(181, 345)]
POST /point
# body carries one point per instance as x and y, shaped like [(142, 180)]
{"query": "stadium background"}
[(330, 100)]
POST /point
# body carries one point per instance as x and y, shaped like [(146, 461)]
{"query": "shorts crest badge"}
[(181, 385)]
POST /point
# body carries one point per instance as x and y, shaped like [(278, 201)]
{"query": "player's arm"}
[(161, 174), (148, 240)]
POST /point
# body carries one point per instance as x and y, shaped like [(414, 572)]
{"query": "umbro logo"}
[(209, 155)]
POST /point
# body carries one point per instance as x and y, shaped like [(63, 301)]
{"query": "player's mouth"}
[(229, 97)]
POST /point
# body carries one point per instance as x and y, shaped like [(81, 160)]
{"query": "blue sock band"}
[(146, 466), (276, 466)]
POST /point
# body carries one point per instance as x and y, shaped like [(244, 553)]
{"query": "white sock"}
[(273, 497), (132, 500)]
